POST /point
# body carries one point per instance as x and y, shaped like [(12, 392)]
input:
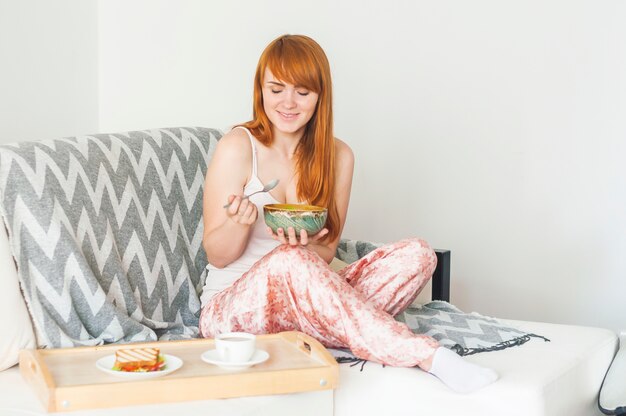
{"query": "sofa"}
[(102, 244)]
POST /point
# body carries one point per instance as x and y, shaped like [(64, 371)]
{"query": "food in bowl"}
[(308, 217)]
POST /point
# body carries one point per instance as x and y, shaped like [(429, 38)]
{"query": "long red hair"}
[(299, 60)]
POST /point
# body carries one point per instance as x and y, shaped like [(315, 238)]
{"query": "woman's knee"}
[(291, 271), (422, 253), (287, 258)]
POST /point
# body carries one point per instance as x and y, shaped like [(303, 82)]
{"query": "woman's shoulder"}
[(234, 146), (236, 137), (343, 152), (236, 140)]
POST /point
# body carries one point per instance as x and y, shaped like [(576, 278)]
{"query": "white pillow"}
[(16, 329)]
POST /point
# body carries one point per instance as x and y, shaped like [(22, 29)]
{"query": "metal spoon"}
[(270, 185)]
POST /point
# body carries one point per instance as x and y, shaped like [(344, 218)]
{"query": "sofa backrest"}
[(106, 232)]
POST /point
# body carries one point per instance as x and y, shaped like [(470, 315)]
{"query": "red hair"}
[(300, 61)]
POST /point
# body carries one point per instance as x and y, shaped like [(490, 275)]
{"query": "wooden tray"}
[(67, 379)]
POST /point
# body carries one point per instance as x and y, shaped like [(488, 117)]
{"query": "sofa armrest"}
[(441, 276), (351, 250)]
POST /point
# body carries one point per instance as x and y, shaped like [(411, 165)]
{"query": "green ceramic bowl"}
[(308, 217)]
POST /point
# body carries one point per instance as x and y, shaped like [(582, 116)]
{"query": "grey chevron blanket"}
[(464, 333), (106, 232)]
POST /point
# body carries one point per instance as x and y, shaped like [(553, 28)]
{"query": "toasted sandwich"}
[(138, 360)]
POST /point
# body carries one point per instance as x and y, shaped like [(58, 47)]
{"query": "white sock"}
[(458, 374)]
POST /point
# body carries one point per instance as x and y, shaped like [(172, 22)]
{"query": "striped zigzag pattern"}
[(350, 251), (106, 231), (464, 333)]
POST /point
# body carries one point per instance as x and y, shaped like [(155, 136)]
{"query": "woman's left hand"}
[(290, 236)]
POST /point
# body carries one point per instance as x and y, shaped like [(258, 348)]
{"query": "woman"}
[(260, 282)]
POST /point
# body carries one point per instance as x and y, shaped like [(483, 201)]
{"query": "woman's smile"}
[(288, 116), (289, 107)]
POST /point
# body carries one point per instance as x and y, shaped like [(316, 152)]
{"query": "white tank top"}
[(259, 242)]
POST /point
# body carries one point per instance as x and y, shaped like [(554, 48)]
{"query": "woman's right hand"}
[(241, 211)]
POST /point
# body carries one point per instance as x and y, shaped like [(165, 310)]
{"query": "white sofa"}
[(560, 377)]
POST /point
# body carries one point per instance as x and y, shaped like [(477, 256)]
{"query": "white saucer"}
[(212, 357), (172, 363)]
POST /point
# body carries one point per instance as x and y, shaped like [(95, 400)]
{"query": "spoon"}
[(270, 185)]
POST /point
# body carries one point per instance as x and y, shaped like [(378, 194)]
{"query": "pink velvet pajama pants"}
[(292, 288)]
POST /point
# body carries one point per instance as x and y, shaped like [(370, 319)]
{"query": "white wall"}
[(48, 69), (495, 129)]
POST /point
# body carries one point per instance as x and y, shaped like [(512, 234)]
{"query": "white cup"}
[(235, 347)]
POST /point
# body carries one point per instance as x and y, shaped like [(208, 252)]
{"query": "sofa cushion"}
[(557, 378), (106, 231)]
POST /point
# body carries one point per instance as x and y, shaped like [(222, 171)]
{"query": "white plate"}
[(212, 357), (172, 363)]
